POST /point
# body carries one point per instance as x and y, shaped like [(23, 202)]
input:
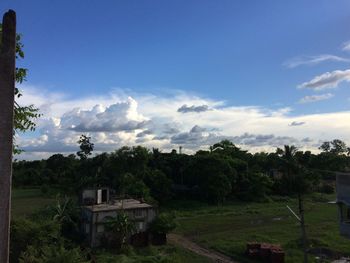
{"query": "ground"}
[(26, 201), (184, 242), (227, 229)]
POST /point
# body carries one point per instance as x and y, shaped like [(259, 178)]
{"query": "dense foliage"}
[(223, 172), (164, 223)]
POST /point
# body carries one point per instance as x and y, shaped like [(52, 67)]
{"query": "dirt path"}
[(188, 244)]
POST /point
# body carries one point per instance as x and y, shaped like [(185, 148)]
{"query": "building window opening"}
[(345, 214), (140, 226), (87, 228), (104, 196), (138, 213)]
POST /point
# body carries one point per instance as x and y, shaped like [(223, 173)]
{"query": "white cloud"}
[(121, 116), (114, 120), (327, 80), (313, 60), (346, 46), (314, 98)]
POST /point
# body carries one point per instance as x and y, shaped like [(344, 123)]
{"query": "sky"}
[(184, 73)]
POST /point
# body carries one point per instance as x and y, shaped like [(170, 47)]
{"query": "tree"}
[(129, 184), (213, 174), (298, 179), (336, 147), (120, 228), (24, 115), (159, 184), (163, 223), (86, 147)]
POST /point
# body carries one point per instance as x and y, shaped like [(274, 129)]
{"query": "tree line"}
[(223, 172)]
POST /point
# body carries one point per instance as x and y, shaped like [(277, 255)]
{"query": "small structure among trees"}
[(114, 222)]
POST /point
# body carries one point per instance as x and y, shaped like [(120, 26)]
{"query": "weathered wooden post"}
[(7, 88)]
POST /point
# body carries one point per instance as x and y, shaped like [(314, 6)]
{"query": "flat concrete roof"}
[(124, 204)]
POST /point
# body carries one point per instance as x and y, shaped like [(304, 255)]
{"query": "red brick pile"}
[(265, 252)]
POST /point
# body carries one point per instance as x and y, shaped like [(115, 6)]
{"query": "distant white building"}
[(97, 206)]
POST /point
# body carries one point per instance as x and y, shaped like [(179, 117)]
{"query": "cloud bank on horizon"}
[(118, 119)]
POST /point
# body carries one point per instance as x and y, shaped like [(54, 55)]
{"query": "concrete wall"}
[(142, 218), (343, 196), (344, 229), (343, 186)]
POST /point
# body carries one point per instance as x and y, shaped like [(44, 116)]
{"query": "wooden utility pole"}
[(7, 89), (301, 220), (302, 226)]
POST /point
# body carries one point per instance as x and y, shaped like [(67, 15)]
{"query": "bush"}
[(26, 233), (327, 188), (52, 254), (163, 224), (44, 189)]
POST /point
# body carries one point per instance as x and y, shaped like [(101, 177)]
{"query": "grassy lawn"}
[(228, 228), (26, 201)]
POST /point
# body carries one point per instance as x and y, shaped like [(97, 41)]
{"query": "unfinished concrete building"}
[(97, 206)]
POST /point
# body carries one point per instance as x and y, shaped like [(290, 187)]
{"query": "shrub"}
[(52, 254), (164, 223), (327, 188)]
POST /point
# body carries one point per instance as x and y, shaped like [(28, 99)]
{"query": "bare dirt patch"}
[(190, 245)]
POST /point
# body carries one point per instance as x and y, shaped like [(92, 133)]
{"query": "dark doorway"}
[(104, 196)]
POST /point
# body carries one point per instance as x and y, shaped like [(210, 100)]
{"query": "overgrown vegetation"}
[(233, 180), (224, 172)]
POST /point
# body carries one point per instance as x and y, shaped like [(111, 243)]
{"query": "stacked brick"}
[(265, 252)]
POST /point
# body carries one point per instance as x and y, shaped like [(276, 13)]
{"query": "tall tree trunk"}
[(7, 88), (302, 226)]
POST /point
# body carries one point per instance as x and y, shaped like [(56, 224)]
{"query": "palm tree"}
[(295, 175), (62, 209), (66, 213)]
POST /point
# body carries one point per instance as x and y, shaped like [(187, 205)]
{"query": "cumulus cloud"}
[(121, 116), (297, 123), (314, 98), (115, 120), (313, 60), (327, 80), (186, 109)]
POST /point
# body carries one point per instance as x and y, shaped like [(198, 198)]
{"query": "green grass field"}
[(228, 228), (26, 201)]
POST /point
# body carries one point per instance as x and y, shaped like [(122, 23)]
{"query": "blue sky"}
[(238, 53)]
